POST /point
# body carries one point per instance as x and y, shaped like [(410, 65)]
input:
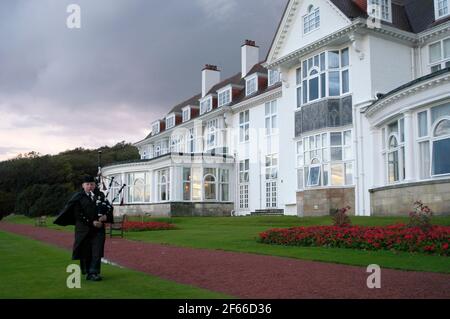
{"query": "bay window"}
[(323, 75), (325, 159)]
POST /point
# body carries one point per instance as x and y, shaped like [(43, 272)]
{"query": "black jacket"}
[(81, 211)]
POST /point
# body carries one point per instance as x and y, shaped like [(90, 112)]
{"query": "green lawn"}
[(240, 234), (30, 269)]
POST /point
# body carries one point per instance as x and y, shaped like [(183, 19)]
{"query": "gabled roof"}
[(414, 16)]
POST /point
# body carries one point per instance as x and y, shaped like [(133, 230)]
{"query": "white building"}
[(351, 107)]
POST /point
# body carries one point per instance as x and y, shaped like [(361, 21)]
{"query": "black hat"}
[(88, 179)]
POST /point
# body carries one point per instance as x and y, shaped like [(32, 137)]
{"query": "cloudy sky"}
[(130, 62)]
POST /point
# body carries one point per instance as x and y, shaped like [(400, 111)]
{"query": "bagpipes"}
[(104, 206)]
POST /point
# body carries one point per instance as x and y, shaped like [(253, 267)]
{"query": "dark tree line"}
[(36, 185)]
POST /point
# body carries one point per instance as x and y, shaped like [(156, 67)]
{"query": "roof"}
[(236, 79), (410, 84)]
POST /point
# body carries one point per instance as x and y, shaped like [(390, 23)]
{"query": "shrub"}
[(146, 226), (340, 218), (421, 216), (398, 237)]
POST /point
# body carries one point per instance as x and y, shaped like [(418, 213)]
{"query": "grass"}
[(30, 269), (240, 234)]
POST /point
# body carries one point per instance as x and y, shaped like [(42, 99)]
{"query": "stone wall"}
[(177, 209), (324, 202), (398, 200)]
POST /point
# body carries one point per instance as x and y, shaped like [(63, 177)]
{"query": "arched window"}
[(209, 184), (393, 160), (441, 147)]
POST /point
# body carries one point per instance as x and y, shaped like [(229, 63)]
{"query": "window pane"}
[(326, 174), (333, 59), (447, 49), (299, 76), (322, 61), (314, 89), (337, 174), (393, 167), (336, 139), (323, 85), (441, 151), (299, 96), (305, 92), (336, 153), (424, 150), (345, 82), (344, 58), (305, 69), (334, 85), (348, 174), (402, 130), (435, 52), (423, 124), (442, 129), (439, 111)]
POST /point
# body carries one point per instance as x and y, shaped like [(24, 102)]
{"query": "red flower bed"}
[(395, 237), (146, 226)]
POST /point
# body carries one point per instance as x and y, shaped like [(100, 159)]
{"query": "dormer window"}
[(170, 121), (224, 97), (274, 77), (206, 105), (311, 21), (155, 128), (380, 9), (251, 85), (441, 8), (186, 113)]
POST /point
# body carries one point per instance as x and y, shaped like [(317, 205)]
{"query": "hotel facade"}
[(350, 107)]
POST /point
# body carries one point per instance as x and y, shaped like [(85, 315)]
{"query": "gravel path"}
[(253, 276)]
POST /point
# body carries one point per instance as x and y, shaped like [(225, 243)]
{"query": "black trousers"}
[(92, 252)]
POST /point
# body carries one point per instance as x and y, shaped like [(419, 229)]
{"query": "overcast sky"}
[(130, 62)]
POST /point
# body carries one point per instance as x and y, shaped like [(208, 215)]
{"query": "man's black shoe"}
[(94, 277)]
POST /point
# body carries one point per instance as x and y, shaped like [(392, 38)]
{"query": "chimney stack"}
[(249, 56), (210, 77), (362, 4)]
